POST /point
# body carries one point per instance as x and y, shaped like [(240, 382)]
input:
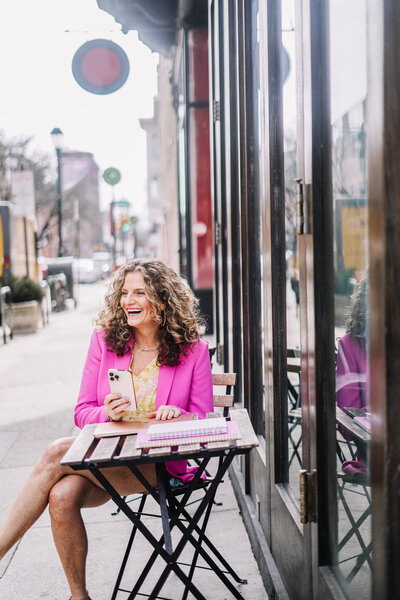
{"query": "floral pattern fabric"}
[(145, 385)]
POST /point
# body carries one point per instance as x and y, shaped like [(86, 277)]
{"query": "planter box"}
[(26, 316)]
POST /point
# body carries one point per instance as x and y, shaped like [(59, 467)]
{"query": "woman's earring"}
[(163, 318)]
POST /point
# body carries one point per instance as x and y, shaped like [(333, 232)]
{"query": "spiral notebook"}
[(191, 432), (364, 423)]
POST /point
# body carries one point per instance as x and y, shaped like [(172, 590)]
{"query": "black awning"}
[(156, 21)]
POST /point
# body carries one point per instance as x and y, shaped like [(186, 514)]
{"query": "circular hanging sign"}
[(285, 63), (112, 176), (100, 66)]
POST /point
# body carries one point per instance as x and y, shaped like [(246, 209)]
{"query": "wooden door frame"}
[(323, 447), (383, 151), (317, 296), (217, 163), (317, 306), (250, 217), (234, 161), (227, 198), (284, 515)]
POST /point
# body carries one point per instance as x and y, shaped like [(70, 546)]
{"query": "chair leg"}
[(178, 508), (154, 554), (206, 541), (360, 561), (118, 510), (295, 445), (209, 475), (293, 395), (196, 551), (176, 513), (354, 530)]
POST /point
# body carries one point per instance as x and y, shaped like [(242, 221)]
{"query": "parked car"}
[(55, 266), (58, 291), (119, 260), (85, 270), (103, 263)]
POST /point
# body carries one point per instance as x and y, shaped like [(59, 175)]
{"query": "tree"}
[(16, 153)]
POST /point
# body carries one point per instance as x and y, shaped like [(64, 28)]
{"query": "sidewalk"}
[(40, 376)]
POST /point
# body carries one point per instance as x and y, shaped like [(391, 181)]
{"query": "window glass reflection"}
[(350, 203), (292, 266)]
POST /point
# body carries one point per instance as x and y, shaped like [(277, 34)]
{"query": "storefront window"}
[(292, 267), (348, 102)]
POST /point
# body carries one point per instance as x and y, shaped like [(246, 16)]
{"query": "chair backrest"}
[(224, 400), (211, 352)]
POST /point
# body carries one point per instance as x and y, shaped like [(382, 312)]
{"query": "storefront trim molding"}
[(273, 582)]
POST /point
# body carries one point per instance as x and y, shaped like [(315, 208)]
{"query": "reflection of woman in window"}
[(351, 373)]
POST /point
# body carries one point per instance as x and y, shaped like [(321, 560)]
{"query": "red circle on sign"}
[(101, 66)]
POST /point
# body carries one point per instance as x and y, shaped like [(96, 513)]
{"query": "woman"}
[(351, 372), (150, 325)]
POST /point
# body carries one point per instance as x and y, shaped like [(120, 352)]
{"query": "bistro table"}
[(100, 454), (359, 436)]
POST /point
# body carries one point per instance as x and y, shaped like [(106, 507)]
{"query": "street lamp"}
[(57, 139)]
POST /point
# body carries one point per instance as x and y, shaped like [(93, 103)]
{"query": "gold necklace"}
[(139, 347)]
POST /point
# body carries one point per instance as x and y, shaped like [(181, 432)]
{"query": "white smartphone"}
[(121, 383)]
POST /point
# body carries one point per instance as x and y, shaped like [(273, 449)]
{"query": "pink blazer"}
[(187, 385), (351, 389)]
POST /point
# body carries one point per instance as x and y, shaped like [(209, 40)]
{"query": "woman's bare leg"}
[(33, 498), (66, 499), (67, 493)]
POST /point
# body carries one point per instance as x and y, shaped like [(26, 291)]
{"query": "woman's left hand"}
[(165, 412)]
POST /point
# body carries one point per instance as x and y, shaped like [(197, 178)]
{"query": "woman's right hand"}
[(116, 406)]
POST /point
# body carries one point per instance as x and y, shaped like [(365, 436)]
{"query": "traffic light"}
[(125, 223)]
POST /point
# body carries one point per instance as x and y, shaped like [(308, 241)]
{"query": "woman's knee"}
[(66, 496), (55, 451)]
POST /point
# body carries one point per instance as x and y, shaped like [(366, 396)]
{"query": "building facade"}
[(304, 194)]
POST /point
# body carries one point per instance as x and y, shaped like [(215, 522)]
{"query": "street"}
[(40, 373), (40, 376)]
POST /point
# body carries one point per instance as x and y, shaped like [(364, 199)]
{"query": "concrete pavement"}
[(39, 381)]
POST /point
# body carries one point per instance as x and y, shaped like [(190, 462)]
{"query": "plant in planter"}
[(344, 284), (26, 296), (344, 281)]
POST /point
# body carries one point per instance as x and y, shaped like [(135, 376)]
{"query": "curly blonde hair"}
[(179, 322), (357, 312)]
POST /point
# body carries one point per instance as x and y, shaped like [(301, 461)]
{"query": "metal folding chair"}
[(224, 401), (350, 484), (351, 489), (294, 406)]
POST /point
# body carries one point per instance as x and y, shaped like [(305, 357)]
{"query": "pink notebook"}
[(233, 433), (113, 428), (364, 423)]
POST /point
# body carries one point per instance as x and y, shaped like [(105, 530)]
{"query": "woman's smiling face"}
[(134, 301)]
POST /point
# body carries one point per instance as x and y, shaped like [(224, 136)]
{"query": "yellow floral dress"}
[(145, 385)]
